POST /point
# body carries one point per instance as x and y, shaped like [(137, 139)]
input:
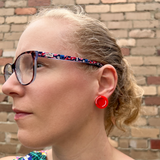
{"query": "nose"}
[(12, 87)]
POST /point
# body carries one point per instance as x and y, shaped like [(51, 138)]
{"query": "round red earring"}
[(101, 102)]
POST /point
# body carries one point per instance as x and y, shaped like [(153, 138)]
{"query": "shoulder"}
[(8, 158)]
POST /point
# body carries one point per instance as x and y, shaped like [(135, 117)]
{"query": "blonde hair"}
[(92, 40)]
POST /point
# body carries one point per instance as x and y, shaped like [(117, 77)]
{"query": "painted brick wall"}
[(136, 26)]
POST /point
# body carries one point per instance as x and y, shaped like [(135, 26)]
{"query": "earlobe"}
[(107, 80)]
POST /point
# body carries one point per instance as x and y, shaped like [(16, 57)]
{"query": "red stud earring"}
[(101, 102)]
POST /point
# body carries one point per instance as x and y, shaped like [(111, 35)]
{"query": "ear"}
[(107, 80)]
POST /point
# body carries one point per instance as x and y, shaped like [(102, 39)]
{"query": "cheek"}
[(63, 95), (63, 98)]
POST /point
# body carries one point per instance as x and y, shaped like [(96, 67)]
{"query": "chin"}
[(31, 141)]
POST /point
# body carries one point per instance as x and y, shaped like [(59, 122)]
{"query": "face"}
[(60, 102)]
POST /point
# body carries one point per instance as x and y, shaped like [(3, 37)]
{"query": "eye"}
[(39, 65)]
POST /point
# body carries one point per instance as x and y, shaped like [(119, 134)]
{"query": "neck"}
[(94, 145)]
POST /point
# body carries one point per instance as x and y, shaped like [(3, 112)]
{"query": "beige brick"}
[(124, 143), (141, 80), (12, 36), (14, 141), (4, 28), (144, 70), (118, 133), (113, 142), (9, 52), (142, 154), (123, 7), (125, 51), (152, 60), (10, 117), (149, 90), (140, 0), (97, 8), (8, 148), (10, 100), (3, 116), (126, 42), (135, 60), (1, 36), (6, 45), (119, 33), (94, 15), (2, 136), (138, 15), (147, 6), (1, 69), (140, 122), (120, 25), (141, 33), (158, 71), (144, 132), (125, 151), (146, 24), (6, 11), (1, 20), (158, 33), (87, 1), (13, 135), (12, 138), (146, 51), (62, 2), (149, 111), (158, 90), (30, 18), (18, 3), (16, 44), (148, 42), (112, 17), (138, 143), (42, 3), (17, 27), (1, 87), (8, 127), (113, 1), (157, 15), (16, 19), (154, 121)]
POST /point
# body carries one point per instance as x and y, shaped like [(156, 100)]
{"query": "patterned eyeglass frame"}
[(36, 54)]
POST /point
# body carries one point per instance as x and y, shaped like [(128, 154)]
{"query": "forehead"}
[(45, 34)]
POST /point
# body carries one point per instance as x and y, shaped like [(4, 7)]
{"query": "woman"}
[(70, 102)]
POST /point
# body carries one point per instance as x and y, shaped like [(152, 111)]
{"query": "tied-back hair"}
[(92, 40)]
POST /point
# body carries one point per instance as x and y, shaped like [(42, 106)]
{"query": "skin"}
[(61, 100)]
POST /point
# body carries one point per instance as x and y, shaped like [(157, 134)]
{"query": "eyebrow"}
[(68, 58)]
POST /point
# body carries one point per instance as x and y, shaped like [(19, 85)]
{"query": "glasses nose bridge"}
[(13, 71)]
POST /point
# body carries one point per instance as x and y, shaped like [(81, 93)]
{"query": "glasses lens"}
[(7, 71), (24, 68)]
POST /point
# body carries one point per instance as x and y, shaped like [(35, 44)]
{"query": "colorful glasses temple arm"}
[(68, 58)]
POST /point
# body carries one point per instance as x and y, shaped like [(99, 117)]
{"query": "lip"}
[(20, 114)]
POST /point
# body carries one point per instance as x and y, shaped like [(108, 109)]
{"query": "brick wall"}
[(136, 25)]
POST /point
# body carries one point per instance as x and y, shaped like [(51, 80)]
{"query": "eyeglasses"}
[(25, 65)]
